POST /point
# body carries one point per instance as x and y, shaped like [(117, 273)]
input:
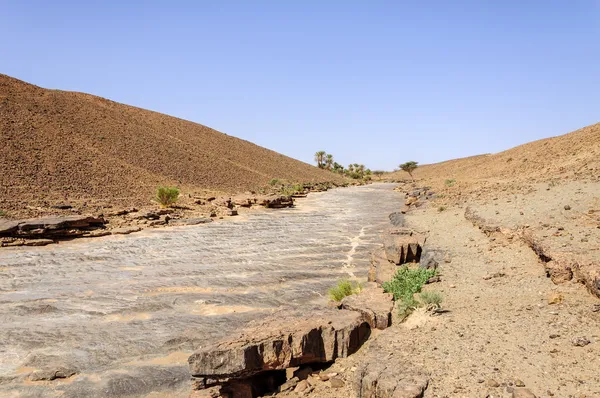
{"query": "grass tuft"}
[(344, 288), (405, 284), (431, 298), (167, 196)]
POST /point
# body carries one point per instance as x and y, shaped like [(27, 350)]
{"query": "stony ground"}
[(62, 147), (508, 326)]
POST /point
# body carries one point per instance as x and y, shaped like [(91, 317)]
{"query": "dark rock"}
[(567, 207), (283, 340), (35, 225), (397, 219), (431, 259), (374, 304), (403, 245), (62, 207), (232, 212)]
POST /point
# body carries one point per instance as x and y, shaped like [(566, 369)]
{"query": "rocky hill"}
[(69, 146), (571, 156)]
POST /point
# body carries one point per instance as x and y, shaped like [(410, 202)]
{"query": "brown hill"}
[(571, 156), (59, 145)]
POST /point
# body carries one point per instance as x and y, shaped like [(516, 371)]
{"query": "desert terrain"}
[(239, 308)]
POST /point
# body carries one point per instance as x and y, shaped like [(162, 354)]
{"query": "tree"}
[(378, 173), (320, 159), (328, 161), (338, 168), (409, 167)]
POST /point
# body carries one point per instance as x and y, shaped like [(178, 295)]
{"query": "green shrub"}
[(431, 298), (2, 213), (274, 181), (344, 288), (405, 284), (450, 183), (441, 208), (167, 196)]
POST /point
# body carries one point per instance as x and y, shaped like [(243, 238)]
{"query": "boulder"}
[(285, 339), (403, 245), (381, 270), (374, 304), (431, 259)]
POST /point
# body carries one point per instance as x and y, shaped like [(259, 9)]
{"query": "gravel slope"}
[(59, 145)]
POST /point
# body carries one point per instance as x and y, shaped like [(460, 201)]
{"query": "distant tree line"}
[(357, 171)]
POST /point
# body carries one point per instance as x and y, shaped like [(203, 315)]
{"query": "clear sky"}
[(373, 82)]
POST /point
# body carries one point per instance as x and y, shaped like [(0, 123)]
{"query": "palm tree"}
[(320, 159), (328, 161)]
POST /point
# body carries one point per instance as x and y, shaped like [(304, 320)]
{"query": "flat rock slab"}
[(125, 230), (283, 340), (54, 226), (403, 245), (374, 304), (189, 221)]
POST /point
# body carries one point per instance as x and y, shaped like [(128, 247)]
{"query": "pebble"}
[(492, 383), (337, 383), (580, 341)]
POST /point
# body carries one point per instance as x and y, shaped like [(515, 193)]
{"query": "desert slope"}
[(59, 145), (571, 156)]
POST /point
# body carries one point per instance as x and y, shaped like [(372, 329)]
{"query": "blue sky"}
[(373, 82)]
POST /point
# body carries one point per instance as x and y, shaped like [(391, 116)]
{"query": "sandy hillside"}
[(59, 145), (571, 156)]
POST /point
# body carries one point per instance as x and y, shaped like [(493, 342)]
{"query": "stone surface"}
[(189, 221), (283, 340), (397, 219), (37, 242), (522, 393), (374, 304), (402, 245), (55, 226), (381, 374), (381, 270), (125, 230)]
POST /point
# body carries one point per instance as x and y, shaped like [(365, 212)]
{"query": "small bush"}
[(441, 208), (274, 181), (167, 196), (344, 288), (2, 213), (450, 183), (431, 298), (405, 284)]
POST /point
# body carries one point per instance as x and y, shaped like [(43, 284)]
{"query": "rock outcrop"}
[(381, 270), (283, 340), (374, 304), (50, 227), (403, 245)]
